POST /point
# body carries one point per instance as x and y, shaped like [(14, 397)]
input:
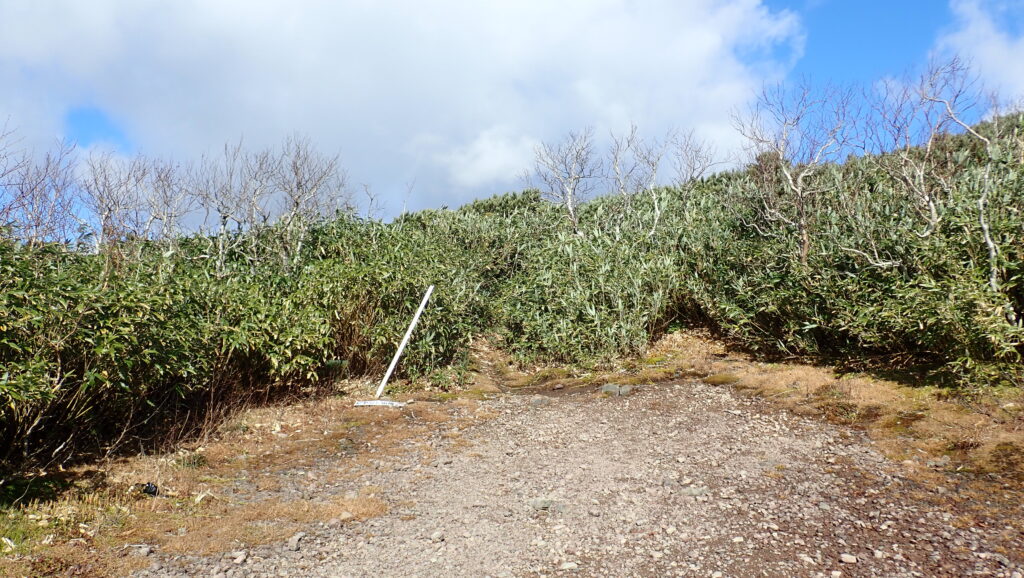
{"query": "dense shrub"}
[(96, 348)]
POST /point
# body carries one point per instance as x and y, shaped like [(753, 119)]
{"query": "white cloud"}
[(450, 94), (496, 154), (984, 33)]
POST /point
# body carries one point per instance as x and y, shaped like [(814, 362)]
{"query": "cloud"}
[(449, 94), (990, 35), (492, 157)]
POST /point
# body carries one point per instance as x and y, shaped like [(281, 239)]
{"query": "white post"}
[(405, 340)]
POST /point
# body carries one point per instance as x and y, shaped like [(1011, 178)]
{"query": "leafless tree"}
[(169, 198), (47, 194), (568, 171), (634, 162), (311, 186), (112, 190), (10, 164), (235, 190), (794, 133), (633, 167), (692, 159), (908, 120)]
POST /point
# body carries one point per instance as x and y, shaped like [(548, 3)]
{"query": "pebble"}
[(293, 542), (540, 401), (847, 558), (569, 566), (437, 537)]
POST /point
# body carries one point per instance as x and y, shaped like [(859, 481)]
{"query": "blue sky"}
[(437, 103), (863, 40)]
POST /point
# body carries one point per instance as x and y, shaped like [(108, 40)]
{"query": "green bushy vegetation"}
[(143, 333)]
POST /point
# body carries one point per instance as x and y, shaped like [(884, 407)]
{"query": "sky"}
[(437, 103)]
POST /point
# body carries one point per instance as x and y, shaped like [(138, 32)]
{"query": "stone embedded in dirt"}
[(437, 536), (546, 505), (540, 401), (694, 491), (293, 542), (569, 566), (847, 558)]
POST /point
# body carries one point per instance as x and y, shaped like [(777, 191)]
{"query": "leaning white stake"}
[(405, 340)]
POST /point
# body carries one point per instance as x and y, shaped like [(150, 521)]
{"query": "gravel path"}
[(680, 479)]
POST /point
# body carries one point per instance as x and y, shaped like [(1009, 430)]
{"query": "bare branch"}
[(112, 189), (569, 171), (47, 196), (794, 133)]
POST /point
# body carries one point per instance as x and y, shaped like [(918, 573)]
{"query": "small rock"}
[(569, 566), (546, 505), (240, 556), (837, 574), (156, 566), (1001, 559), (346, 517), (293, 542), (879, 554), (737, 540), (694, 491), (437, 537), (145, 551), (847, 558)]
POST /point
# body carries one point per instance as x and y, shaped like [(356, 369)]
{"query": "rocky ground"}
[(675, 479)]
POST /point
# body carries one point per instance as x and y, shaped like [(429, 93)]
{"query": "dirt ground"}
[(690, 462)]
